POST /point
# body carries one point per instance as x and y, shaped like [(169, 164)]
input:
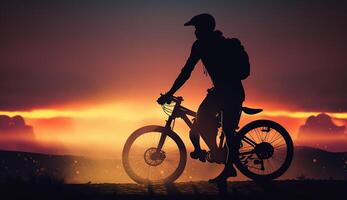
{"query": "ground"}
[(287, 189)]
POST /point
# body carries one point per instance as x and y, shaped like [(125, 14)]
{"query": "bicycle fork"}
[(164, 135)]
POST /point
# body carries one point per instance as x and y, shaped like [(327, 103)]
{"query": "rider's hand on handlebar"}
[(164, 98)]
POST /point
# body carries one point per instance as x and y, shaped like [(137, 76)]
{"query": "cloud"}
[(15, 127), (321, 124), (320, 131), (16, 135)]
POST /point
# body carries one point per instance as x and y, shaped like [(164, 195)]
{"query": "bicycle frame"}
[(180, 111)]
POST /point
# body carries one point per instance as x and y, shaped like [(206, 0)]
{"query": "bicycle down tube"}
[(179, 111)]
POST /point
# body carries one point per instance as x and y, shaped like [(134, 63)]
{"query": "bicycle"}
[(156, 154)]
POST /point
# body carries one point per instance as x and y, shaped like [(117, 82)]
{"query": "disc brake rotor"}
[(154, 158)]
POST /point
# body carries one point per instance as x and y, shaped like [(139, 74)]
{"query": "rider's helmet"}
[(203, 21)]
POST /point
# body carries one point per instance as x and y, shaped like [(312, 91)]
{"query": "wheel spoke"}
[(246, 153), (249, 141), (256, 132), (268, 152), (267, 133), (251, 136), (246, 147), (149, 173), (279, 146), (274, 135), (260, 134), (277, 138)]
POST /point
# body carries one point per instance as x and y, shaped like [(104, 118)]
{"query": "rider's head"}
[(204, 25)]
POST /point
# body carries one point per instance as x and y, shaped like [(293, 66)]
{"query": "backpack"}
[(237, 57)]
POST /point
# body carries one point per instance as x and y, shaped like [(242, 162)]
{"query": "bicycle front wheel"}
[(265, 150), (145, 164)]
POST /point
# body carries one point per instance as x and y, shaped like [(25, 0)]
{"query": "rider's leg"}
[(198, 153), (231, 120), (231, 117), (195, 139), (207, 121), (204, 125)]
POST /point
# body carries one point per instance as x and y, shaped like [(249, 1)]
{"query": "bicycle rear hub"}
[(264, 150)]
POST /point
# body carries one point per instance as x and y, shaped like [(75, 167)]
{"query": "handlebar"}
[(176, 99)]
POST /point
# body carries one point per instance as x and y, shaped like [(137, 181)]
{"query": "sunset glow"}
[(108, 126), (110, 111), (127, 112)]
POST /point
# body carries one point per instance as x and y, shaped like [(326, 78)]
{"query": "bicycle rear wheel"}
[(265, 150), (144, 164)]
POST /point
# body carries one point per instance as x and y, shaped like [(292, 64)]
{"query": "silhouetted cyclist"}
[(227, 64)]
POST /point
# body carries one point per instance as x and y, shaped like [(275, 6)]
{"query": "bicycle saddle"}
[(251, 111)]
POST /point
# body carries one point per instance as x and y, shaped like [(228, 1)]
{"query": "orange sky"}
[(101, 131)]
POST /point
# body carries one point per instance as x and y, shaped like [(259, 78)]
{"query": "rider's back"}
[(224, 63)]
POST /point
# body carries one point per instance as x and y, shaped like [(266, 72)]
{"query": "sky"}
[(89, 72)]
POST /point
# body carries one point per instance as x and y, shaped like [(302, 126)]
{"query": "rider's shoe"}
[(224, 175), (199, 154)]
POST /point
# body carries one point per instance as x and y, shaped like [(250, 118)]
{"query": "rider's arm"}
[(186, 70)]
